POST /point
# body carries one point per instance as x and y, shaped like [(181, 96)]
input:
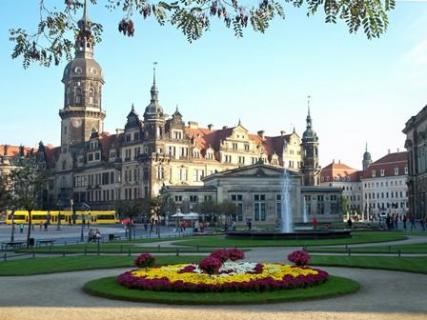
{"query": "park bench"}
[(12, 244), (45, 242), (113, 236)]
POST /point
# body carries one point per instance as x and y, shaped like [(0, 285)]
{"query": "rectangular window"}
[(260, 212)]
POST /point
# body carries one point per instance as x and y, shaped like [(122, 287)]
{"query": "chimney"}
[(261, 133), (282, 132), (389, 151), (224, 127), (193, 125), (210, 126)]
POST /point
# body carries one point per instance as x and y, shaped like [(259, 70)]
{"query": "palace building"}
[(153, 150)]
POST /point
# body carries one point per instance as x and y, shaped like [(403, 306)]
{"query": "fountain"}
[(304, 213), (286, 221)]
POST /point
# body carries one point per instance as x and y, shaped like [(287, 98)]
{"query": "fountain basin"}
[(297, 235)]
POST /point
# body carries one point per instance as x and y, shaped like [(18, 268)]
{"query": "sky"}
[(362, 90)]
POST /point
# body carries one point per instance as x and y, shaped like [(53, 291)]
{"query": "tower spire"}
[(85, 11), (309, 112), (84, 41), (154, 90), (366, 147)]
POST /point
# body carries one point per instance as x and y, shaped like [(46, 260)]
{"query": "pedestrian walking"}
[(412, 222), (404, 219)]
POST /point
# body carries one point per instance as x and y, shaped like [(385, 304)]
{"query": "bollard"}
[(158, 248), (177, 252)]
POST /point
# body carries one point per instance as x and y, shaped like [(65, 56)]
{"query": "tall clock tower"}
[(83, 81)]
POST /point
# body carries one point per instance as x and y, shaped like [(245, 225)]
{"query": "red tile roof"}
[(205, 138), (11, 151), (388, 163), (339, 172)]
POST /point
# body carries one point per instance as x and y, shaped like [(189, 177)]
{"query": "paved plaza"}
[(384, 295)]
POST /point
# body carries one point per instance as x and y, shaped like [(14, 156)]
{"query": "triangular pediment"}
[(257, 170)]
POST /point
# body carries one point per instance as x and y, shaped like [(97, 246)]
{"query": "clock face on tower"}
[(76, 123)]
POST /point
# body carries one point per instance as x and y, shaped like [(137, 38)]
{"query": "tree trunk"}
[(30, 220)]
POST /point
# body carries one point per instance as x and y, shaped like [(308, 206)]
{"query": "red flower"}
[(210, 265), (187, 269), (299, 257), (220, 254), (145, 260), (235, 254)]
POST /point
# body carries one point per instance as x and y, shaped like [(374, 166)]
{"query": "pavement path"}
[(384, 295)]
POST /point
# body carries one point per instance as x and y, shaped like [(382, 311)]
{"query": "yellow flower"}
[(171, 272)]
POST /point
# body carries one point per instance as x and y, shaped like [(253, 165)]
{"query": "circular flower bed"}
[(223, 270)]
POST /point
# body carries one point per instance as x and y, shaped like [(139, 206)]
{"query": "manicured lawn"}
[(110, 247), (77, 263), (357, 237), (407, 248), (109, 288), (413, 264)]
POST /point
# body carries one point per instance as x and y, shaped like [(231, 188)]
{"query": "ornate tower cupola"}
[(154, 110), (83, 83), (310, 146), (154, 118), (367, 158)]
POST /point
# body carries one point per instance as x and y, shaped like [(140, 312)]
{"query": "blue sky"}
[(361, 90)]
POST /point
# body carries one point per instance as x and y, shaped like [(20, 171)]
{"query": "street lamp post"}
[(58, 205), (82, 238)]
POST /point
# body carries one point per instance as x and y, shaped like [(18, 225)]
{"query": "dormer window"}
[(177, 134)]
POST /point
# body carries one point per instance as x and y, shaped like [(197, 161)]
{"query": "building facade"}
[(416, 145), (257, 192), (380, 188), (384, 185), (154, 150), (342, 176)]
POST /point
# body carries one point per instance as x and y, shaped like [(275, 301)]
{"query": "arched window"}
[(91, 96), (79, 96)]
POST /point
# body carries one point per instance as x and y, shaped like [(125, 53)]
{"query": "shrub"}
[(235, 254), (145, 260), (299, 257), (210, 265)]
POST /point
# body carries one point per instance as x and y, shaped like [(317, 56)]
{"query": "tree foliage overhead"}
[(54, 37)]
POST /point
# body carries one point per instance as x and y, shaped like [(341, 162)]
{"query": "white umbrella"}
[(178, 215), (192, 216)]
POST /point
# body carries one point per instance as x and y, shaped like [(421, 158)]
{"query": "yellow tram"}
[(66, 217)]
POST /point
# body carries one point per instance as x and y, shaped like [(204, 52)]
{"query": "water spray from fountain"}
[(305, 213), (286, 212)]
